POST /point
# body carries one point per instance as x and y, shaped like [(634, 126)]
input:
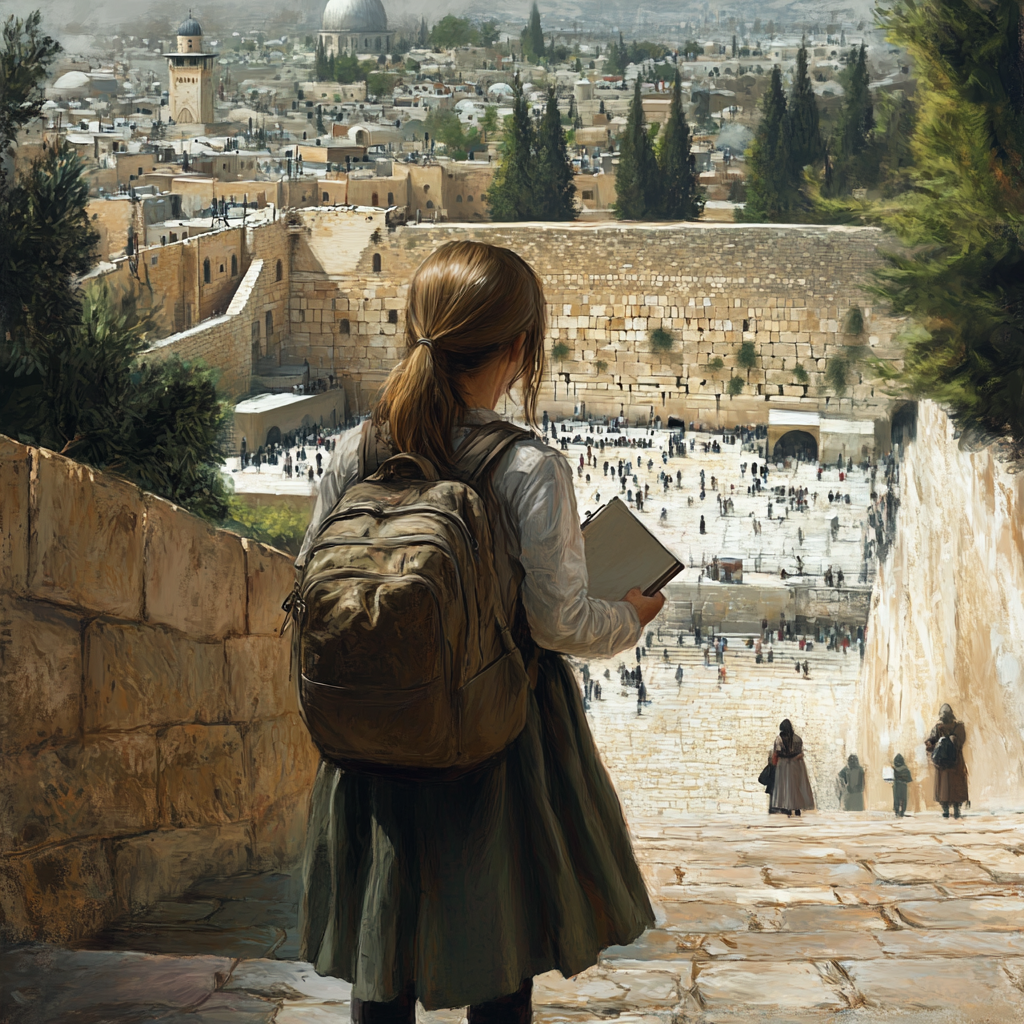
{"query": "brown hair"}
[(472, 301)]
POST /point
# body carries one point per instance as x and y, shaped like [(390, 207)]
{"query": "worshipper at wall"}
[(946, 746), (448, 892), (900, 779), (851, 778), (792, 791)]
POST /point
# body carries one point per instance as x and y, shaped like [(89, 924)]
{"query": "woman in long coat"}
[(950, 783), (792, 790), (457, 893), (852, 778)]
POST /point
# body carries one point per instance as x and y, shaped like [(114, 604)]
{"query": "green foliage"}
[(661, 340), (489, 122), (445, 127), (691, 46), (716, 364), (380, 83), (554, 189), (854, 322), (559, 351), (682, 198), (411, 65), (636, 183), (321, 128), (489, 32), (24, 58), (281, 526), (451, 31), (771, 189), (895, 117), (533, 36), (747, 356), (837, 371), (963, 223), (734, 387), (854, 164), (805, 132), (800, 374), (510, 194), (601, 366)]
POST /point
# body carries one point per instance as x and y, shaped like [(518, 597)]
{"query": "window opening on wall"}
[(345, 327), (270, 324), (430, 204), (206, 271), (376, 262), (392, 316), (469, 199), (234, 266), (391, 199), (458, 199), (280, 270)]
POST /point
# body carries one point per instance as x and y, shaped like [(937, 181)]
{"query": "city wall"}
[(148, 731), (947, 622), (785, 288)]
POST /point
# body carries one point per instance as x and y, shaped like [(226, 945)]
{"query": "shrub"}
[(854, 322), (735, 386), (280, 526), (716, 364), (601, 366), (559, 351), (836, 374), (800, 374), (747, 357), (661, 340)]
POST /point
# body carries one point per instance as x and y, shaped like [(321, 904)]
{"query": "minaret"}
[(190, 89)]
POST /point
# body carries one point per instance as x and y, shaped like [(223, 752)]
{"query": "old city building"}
[(190, 72)]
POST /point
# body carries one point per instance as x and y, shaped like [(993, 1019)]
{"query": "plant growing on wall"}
[(559, 351), (716, 364), (854, 322), (601, 366), (836, 375), (747, 356), (735, 386), (661, 340), (800, 374)]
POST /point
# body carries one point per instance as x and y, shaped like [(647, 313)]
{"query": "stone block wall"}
[(149, 731), (785, 288), (947, 622)]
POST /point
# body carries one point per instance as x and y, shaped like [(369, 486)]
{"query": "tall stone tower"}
[(190, 90)]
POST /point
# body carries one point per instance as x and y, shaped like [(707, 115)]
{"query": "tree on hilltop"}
[(510, 195), (805, 131), (854, 165), (553, 188), (636, 181), (533, 35), (770, 185), (682, 198)]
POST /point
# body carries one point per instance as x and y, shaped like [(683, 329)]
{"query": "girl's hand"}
[(646, 607)]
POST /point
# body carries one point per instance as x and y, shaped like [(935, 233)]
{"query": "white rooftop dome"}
[(72, 80), (500, 89), (355, 16)]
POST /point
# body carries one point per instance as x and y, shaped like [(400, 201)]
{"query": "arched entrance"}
[(274, 435), (796, 443), (904, 425)]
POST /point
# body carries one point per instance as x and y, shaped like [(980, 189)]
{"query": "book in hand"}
[(622, 554)]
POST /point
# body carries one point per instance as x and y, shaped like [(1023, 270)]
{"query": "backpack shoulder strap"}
[(373, 451), (485, 444)]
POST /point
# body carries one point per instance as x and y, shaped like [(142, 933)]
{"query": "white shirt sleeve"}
[(537, 484)]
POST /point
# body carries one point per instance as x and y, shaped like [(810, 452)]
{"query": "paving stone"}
[(951, 943), (833, 918), (791, 985), (882, 895), (1002, 865), (705, 917), (647, 988), (821, 874), (227, 1008), (255, 913), (183, 940), (973, 987), (586, 989), (306, 1012), (985, 914), (909, 873), (273, 885), (794, 946), (287, 981), (654, 945)]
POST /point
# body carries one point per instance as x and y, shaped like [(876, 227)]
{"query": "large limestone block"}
[(280, 834), (259, 680), (282, 760), (85, 542), (40, 675), (137, 675), (194, 574), (269, 578), (202, 776), (104, 786), (58, 894), (15, 471), (149, 867)]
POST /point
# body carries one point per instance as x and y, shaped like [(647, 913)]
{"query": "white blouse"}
[(535, 482)]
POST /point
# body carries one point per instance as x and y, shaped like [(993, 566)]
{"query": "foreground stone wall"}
[(149, 734), (786, 288), (947, 622)]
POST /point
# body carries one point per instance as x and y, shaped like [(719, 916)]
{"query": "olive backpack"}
[(402, 650)]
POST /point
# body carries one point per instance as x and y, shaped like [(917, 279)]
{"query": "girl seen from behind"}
[(458, 892)]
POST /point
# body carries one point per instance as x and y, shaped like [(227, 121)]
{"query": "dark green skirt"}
[(468, 887)]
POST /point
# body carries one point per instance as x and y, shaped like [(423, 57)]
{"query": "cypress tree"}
[(681, 196), (510, 192), (803, 118), (853, 163), (320, 61), (554, 191), (636, 182), (769, 187), (535, 37)]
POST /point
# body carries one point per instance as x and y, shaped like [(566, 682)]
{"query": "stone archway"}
[(274, 435), (796, 442)]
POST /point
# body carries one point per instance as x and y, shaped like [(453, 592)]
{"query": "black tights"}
[(511, 1009)]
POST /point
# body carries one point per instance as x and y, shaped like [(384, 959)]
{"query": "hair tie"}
[(425, 341)]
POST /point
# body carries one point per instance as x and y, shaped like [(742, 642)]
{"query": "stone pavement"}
[(830, 917)]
